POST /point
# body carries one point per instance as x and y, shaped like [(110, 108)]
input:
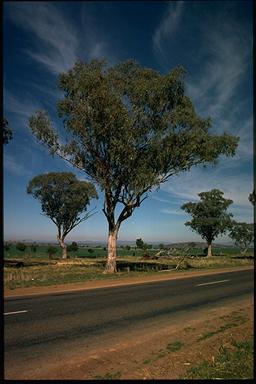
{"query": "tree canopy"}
[(209, 216), (242, 234), (7, 132), (251, 197), (129, 129), (64, 199)]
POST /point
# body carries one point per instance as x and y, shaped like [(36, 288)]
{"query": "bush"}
[(128, 247), (21, 247), (73, 247), (90, 250), (33, 247), (7, 246), (51, 251)]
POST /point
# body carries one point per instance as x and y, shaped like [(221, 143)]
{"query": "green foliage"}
[(242, 234), (33, 247), (251, 197), (7, 132), (128, 247), (21, 247), (73, 247), (7, 246), (129, 128), (51, 251), (139, 243), (209, 216), (63, 198)]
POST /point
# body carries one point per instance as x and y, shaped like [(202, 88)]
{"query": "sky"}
[(212, 40)]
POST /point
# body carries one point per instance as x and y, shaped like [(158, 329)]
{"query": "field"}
[(27, 268)]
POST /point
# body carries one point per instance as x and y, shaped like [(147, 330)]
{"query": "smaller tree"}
[(139, 243), (21, 247), (242, 234), (252, 197), (64, 199), (7, 246), (209, 216)]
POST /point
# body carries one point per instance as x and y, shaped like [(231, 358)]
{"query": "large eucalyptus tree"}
[(129, 129)]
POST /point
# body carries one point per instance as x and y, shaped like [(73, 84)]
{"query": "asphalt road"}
[(56, 325)]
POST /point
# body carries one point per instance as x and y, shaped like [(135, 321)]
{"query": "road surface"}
[(50, 328)]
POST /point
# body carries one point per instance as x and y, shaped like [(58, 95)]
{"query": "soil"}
[(151, 354)]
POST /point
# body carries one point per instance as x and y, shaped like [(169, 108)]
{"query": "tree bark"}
[(209, 252), (64, 248), (111, 259)]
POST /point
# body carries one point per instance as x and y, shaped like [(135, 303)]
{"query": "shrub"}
[(33, 247), (73, 247), (7, 246), (21, 247), (51, 251)]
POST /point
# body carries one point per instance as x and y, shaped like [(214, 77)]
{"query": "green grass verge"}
[(235, 364)]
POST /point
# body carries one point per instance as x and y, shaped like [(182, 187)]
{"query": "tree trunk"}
[(111, 260), (209, 252), (64, 248)]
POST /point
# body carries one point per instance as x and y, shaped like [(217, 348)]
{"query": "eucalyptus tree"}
[(64, 199), (209, 216), (242, 234), (129, 128)]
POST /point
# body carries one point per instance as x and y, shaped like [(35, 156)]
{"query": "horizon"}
[(212, 40)]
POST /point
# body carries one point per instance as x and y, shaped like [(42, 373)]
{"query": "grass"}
[(80, 268), (229, 364), (173, 347)]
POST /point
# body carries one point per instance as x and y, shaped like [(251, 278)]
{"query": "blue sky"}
[(212, 40)]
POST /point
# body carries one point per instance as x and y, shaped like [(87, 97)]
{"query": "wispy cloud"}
[(58, 41), (58, 44), (22, 108), (228, 51), (186, 187), (168, 25), (14, 166), (172, 211)]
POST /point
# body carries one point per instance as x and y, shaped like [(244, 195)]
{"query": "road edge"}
[(99, 284)]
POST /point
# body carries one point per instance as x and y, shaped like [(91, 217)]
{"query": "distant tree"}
[(7, 132), (51, 251), (252, 197), (161, 246), (90, 250), (64, 199), (7, 246), (139, 243), (33, 247), (209, 216), (128, 247), (73, 247), (130, 128), (242, 234), (21, 247)]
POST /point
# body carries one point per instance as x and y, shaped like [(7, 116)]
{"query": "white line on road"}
[(212, 282), (14, 313)]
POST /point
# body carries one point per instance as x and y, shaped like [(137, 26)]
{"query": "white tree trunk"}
[(111, 260), (64, 248), (209, 252)]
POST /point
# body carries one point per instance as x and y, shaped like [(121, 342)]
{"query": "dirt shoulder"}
[(70, 287), (159, 352)]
